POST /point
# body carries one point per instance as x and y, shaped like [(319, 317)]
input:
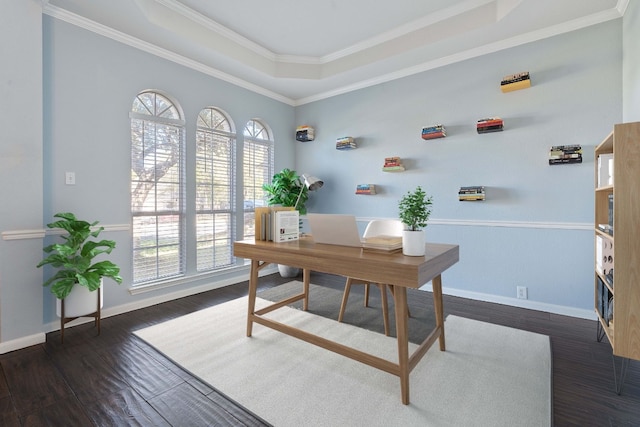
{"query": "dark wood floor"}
[(116, 379)]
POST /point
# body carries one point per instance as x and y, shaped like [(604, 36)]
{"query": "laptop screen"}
[(334, 229)]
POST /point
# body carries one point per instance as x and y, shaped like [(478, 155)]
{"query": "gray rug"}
[(489, 376)]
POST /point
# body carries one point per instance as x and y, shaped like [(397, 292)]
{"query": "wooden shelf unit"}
[(623, 331)]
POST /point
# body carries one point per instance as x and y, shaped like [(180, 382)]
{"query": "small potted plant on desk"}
[(77, 276), (285, 189), (415, 208)]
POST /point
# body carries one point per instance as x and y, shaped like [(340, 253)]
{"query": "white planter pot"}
[(80, 302), (413, 243), (287, 271)]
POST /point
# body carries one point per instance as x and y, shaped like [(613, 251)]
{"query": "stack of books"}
[(472, 193), (392, 164), (345, 143), (515, 82), (433, 132), (304, 133), (277, 224), (491, 124), (382, 243), (561, 154), (366, 189)]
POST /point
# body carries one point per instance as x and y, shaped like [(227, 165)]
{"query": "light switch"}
[(70, 178)]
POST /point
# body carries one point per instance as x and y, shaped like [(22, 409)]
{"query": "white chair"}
[(376, 227)]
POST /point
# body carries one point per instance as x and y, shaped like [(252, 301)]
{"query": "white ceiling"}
[(299, 51)]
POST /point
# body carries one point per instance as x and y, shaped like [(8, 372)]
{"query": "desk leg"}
[(253, 287), (400, 293), (439, 308), (306, 279)]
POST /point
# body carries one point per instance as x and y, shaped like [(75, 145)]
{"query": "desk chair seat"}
[(388, 227)]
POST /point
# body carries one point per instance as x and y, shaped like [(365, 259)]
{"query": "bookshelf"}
[(617, 241)]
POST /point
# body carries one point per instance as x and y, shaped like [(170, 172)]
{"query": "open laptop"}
[(334, 229)]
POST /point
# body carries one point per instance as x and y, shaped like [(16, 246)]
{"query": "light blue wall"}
[(20, 170), (631, 63), (534, 228), (90, 83)]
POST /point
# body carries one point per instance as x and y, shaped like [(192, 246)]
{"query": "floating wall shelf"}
[(491, 124), (305, 133), (346, 143), (434, 132), (565, 154), (393, 164), (471, 194), (515, 82)]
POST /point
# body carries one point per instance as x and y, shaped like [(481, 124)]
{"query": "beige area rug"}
[(489, 376)]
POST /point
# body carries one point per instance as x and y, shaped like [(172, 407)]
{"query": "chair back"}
[(387, 227)]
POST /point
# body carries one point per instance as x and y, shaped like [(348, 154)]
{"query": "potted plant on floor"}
[(285, 189), (415, 208), (78, 276)]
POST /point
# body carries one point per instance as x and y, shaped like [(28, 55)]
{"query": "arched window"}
[(157, 188), (257, 170), (215, 184)]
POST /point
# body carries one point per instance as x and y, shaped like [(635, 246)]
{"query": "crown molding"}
[(103, 30), (314, 65)]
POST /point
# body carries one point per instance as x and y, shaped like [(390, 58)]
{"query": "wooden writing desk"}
[(396, 270)]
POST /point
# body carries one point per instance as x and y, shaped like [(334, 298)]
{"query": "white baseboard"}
[(515, 302), (22, 342)]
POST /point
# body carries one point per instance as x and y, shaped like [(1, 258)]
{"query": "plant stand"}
[(96, 316)]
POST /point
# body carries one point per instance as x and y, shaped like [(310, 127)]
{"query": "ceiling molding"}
[(87, 24), (280, 67)]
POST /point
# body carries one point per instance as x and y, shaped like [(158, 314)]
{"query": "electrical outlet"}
[(522, 292)]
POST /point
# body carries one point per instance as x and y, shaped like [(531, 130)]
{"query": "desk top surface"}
[(393, 268)]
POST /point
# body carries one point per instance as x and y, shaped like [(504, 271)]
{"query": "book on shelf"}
[(345, 143), (277, 223), (305, 133), (513, 78), (392, 164), (475, 192), (393, 168), (365, 189), (565, 161), (433, 132), (490, 124), (563, 154), (515, 81)]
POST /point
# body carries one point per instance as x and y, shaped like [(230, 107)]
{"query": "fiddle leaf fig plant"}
[(285, 188), (74, 258), (415, 208)]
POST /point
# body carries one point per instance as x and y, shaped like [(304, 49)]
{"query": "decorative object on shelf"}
[(515, 82), (345, 143), (433, 132), (305, 133), (415, 208), (605, 169), (490, 124), (472, 193), (392, 164), (366, 189), (564, 154), (78, 276)]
